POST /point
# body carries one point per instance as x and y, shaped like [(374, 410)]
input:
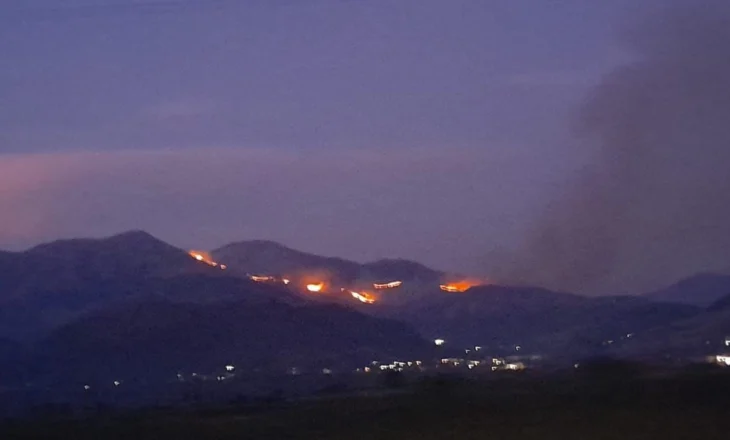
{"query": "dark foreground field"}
[(514, 408)]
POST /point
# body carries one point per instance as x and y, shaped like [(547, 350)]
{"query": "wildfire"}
[(389, 285), (205, 257), (363, 297), (285, 280), (461, 286), (315, 287), (261, 278)]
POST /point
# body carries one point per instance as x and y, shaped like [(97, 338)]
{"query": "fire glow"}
[(458, 287), (204, 257), (262, 278), (390, 285), (363, 297), (315, 287)]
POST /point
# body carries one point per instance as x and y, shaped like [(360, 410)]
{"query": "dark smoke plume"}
[(656, 206)]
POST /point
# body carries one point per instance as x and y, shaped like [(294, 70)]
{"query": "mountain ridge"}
[(55, 284), (272, 258), (701, 289)]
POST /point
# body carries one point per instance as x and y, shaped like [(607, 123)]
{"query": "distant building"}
[(455, 362), (515, 366), (500, 364)]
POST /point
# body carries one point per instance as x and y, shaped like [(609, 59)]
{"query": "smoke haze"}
[(655, 206)]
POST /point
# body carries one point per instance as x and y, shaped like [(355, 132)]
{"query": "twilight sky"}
[(428, 129)]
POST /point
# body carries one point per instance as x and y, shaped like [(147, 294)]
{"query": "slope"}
[(268, 257), (699, 290), (686, 339), (162, 338), (537, 320), (52, 283)]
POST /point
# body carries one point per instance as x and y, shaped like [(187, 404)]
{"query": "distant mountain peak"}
[(260, 246), (702, 277), (134, 234), (701, 289), (138, 236), (270, 257), (396, 260), (401, 268)]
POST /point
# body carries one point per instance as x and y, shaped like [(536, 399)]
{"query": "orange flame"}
[(205, 257), (315, 287), (389, 285), (363, 297), (460, 286)]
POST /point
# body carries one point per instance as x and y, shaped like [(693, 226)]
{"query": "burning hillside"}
[(206, 258), (390, 285), (460, 286), (333, 284), (363, 297)]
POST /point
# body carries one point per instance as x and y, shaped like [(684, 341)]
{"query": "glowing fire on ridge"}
[(204, 257), (261, 278), (363, 297), (460, 286), (389, 285), (315, 287)]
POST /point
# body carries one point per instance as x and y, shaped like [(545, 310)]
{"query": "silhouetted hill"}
[(64, 264), (700, 290), (700, 335), (399, 269), (538, 320), (268, 257), (9, 350), (162, 338), (721, 304), (40, 311), (52, 283), (132, 304), (13, 363), (685, 339)]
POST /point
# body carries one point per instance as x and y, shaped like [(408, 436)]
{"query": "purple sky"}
[(426, 129)]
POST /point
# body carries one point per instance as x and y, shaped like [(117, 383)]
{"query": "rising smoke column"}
[(655, 205)]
